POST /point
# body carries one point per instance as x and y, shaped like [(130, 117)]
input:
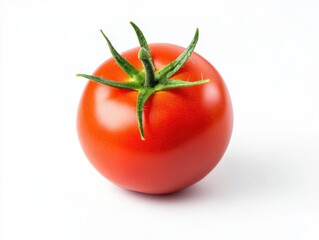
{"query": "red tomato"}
[(187, 130)]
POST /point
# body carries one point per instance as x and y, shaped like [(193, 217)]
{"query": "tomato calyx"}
[(148, 80)]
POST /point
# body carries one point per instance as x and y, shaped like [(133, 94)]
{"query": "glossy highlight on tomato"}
[(184, 131)]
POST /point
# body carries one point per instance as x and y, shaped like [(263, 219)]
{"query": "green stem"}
[(142, 40), (145, 57), (147, 81)]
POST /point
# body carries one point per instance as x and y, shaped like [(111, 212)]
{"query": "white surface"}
[(266, 186)]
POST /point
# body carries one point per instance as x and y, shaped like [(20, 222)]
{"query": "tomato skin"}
[(187, 130)]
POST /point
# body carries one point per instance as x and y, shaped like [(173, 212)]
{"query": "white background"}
[(266, 186)]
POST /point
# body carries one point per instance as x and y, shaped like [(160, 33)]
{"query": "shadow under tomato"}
[(236, 177)]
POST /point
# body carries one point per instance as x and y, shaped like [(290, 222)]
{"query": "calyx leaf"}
[(147, 81)]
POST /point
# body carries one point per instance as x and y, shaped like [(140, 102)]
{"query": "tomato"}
[(184, 133)]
